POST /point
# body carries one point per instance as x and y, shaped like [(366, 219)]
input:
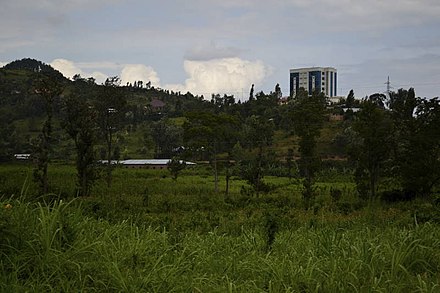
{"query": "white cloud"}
[(127, 72), (2, 64), (66, 67), (136, 72), (69, 69), (222, 76)]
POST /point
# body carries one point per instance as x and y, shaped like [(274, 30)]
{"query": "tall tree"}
[(278, 93), (308, 119), (416, 141), (110, 104), (215, 133), (251, 93), (257, 134), (48, 89), (167, 136), (372, 148), (349, 102), (79, 121)]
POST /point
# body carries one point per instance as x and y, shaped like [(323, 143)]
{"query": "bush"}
[(396, 195)]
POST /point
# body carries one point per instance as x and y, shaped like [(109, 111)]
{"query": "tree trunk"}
[(228, 175), (109, 157), (260, 158), (215, 174)]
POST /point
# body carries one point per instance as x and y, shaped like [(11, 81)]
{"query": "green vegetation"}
[(281, 198), (150, 233)]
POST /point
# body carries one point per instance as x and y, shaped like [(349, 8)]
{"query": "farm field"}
[(149, 233)]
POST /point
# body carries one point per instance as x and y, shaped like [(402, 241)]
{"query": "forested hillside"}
[(57, 119)]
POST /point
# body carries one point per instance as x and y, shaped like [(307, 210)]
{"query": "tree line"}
[(393, 137)]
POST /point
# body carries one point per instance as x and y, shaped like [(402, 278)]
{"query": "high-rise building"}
[(323, 79)]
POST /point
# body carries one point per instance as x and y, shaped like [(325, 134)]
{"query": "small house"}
[(157, 105)]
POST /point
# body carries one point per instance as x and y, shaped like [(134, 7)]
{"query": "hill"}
[(22, 114)]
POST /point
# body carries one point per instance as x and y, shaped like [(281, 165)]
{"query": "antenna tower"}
[(389, 87)]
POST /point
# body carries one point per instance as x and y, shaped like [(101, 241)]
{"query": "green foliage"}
[(417, 141), (33, 65), (79, 122), (49, 90), (175, 166), (210, 134), (167, 136), (58, 248), (257, 133), (308, 119), (349, 102), (372, 148), (110, 108)]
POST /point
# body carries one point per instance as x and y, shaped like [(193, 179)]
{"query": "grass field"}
[(149, 233)]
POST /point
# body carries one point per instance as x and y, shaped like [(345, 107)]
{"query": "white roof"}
[(150, 162)]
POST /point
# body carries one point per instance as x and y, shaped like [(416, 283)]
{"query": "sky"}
[(225, 46)]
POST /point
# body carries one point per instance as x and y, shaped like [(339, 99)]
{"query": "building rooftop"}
[(145, 162), (312, 68)]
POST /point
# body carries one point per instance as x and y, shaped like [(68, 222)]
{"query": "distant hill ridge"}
[(34, 66)]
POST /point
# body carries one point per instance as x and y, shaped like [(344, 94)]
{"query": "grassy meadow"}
[(149, 233)]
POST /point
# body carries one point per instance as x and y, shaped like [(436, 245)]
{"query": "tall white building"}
[(322, 79)]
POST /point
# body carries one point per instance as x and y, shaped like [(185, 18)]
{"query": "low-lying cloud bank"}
[(69, 69), (204, 77)]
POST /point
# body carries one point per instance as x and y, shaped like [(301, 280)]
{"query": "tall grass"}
[(150, 233), (55, 247)]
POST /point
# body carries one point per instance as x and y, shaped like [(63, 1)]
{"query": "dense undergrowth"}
[(149, 233)]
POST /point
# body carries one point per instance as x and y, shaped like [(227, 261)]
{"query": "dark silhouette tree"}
[(49, 90), (110, 105), (166, 137), (278, 93), (349, 102), (416, 142), (257, 134), (175, 166), (308, 120), (251, 93), (79, 121), (214, 133), (372, 146)]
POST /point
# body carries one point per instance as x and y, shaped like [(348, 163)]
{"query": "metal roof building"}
[(146, 163)]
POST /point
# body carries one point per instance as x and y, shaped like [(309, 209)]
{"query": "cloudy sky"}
[(224, 46)]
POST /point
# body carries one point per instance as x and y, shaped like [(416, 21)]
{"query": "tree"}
[(8, 137), (372, 148), (251, 93), (175, 166), (110, 104), (167, 137), (416, 142), (48, 89), (349, 102), (308, 119), (257, 133), (79, 121), (214, 133), (278, 93)]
